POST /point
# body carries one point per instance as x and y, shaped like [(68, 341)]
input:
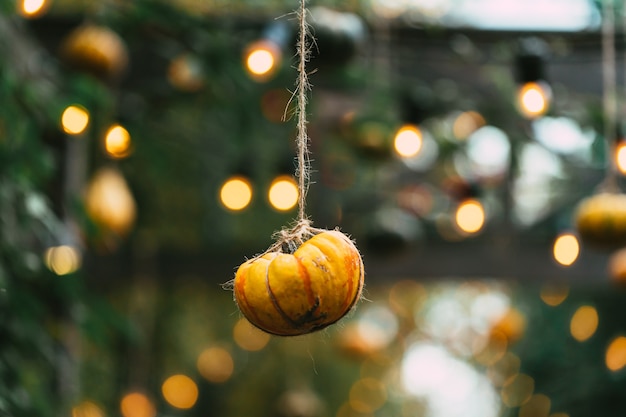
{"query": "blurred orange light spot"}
[(62, 260), (534, 99), (616, 354), (74, 119), (518, 391), (504, 370), (87, 409), (470, 216), (109, 201), (236, 193), (215, 364), (180, 391), (283, 193), (136, 404), (537, 406), (32, 8), (584, 323), (620, 157), (117, 141), (408, 141), (467, 123), (566, 249), (249, 337), (261, 59), (553, 295), (367, 395)]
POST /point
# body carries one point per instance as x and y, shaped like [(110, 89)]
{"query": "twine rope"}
[(288, 240), (302, 87), (609, 97)]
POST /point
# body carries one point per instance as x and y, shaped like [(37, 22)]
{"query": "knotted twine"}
[(288, 240)]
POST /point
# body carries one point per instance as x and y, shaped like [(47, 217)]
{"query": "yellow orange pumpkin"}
[(601, 219), (291, 294)]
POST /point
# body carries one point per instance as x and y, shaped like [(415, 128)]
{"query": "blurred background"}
[(473, 149)]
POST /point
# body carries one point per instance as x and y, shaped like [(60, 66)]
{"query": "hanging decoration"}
[(601, 218), (310, 278), (96, 50)]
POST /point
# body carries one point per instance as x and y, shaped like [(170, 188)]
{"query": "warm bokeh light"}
[(236, 193), (518, 390), (136, 404), (109, 201), (620, 157), (249, 337), (74, 119), (467, 123), (180, 391), (554, 294), (470, 216), (215, 364), (63, 260), (408, 141), (538, 406), (504, 370), (534, 99), (117, 141), (493, 350), (262, 59), (32, 8), (405, 296), (367, 395), (283, 193), (584, 323), (566, 249), (87, 409), (615, 357)]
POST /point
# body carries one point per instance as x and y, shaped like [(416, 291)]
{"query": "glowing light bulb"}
[(74, 119), (566, 249), (117, 142), (534, 99), (283, 193), (470, 216), (408, 141), (32, 8), (236, 193), (262, 59), (620, 157)]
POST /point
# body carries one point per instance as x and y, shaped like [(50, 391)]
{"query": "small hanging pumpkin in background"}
[(295, 293), (96, 50), (601, 219)]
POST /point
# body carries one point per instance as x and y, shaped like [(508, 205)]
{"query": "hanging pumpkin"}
[(296, 293), (96, 50), (601, 219)]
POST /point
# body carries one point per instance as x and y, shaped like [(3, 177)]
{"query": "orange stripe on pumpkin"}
[(242, 299), (306, 281), (273, 299)]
